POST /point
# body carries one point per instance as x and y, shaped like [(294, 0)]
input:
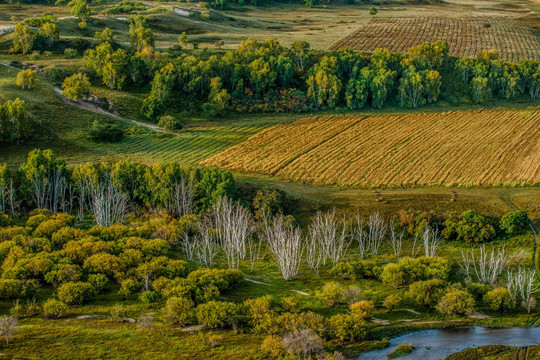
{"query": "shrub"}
[(472, 227), (303, 343), (331, 293), (106, 132), (268, 201), (75, 292), (456, 302), (10, 288), (409, 270), (149, 297), (71, 53), (359, 269), (362, 309), (272, 346), (346, 327), (128, 287), (426, 293), (401, 350), (500, 299), (261, 312), (515, 223), (167, 122), (352, 294), (178, 310), (54, 309), (98, 282), (392, 302), (119, 313), (478, 290), (218, 314)]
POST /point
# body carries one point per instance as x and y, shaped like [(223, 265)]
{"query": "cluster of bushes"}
[(469, 226), (125, 7)]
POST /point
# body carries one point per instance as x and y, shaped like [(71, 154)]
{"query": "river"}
[(436, 344)]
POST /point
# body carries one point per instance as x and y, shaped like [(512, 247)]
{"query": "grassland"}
[(467, 148), (466, 36)]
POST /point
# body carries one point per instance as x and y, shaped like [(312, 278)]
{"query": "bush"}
[(456, 302), (392, 302), (54, 309), (409, 270), (500, 299), (75, 292), (515, 223), (128, 287), (98, 282), (359, 269), (362, 309), (169, 123), (331, 293), (346, 327), (272, 346), (401, 350), (10, 288), (471, 227), (218, 314), (119, 313), (268, 201), (478, 290), (149, 297), (71, 53), (106, 132), (426, 293), (178, 310)]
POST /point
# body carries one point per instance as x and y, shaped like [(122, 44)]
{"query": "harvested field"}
[(456, 148), (466, 36)]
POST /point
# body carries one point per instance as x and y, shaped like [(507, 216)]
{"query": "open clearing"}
[(456, 148), (466, 36)]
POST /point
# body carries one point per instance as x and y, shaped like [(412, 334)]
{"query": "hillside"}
[(468, 148)]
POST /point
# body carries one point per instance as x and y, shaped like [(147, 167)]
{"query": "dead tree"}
[(523, 284), (84, 187), (109, 204), (146, 322), (205, 246), (286, 244), (377, 228), (181, 202), (233, 224), (465, 264), (431, 241), (8, 327), (357, 234), (487, 267), (329, 235), (395, 240), (303, 343)]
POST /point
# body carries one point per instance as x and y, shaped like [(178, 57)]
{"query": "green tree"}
[(76, 86), (218, 314), (300, 53), (218, 97), (432, 85), (75, 292), (140, 34), (480, 89), (411, 89), (356, 93), (183, 39), (26, 78), (380, 86), (50, 32), (514, 223), (373, 11), (14, 121), (80, 9), (104, 36), (323, 89), (23, 39), (464, 68)]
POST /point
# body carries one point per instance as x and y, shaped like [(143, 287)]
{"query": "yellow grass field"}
[(455, 148), (466, 36)]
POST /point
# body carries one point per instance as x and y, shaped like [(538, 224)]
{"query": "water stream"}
[(436, 344)]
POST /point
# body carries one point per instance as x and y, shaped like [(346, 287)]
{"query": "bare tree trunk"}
[(523, 284), (395, 241), (431, 241), (205, 246), (286, 245), (358, 234), (330, 236), (110, 205), (182, 198), (487, 267), (377, 228)]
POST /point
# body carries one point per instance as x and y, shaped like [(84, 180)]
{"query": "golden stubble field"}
[(455, 148), (466, 35)]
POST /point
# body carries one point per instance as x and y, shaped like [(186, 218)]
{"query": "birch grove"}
[(286, 244), (109, 204), (487, 266), (431, 241), (233, 226), (523, 284), (328, 236)]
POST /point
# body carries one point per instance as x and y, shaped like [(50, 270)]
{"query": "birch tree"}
[(431, 241), (396, 240), (487, 266), (329, 235), (522, 283), (109, 204), (377, 229), (286, 244)]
